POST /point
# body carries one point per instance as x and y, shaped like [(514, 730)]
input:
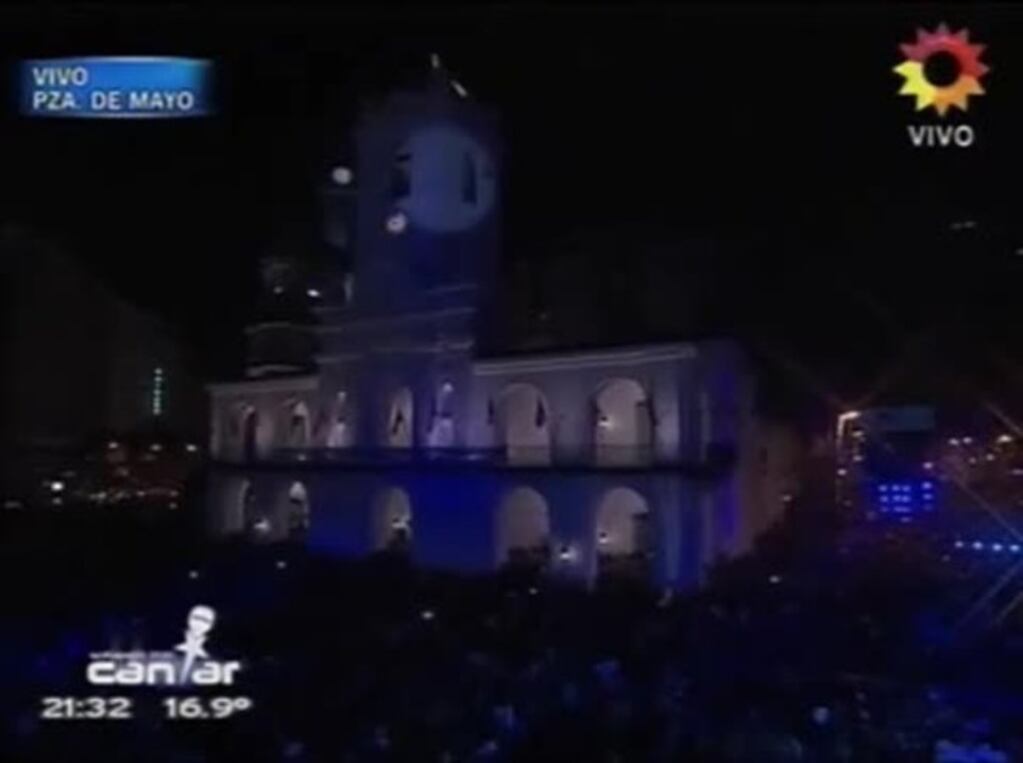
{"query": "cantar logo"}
[(942, 69), (188, 664)]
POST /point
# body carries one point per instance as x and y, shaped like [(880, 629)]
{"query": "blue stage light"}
[(959, 544), (977, 545)]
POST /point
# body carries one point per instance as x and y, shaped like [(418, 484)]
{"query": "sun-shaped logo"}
[(962, 63)]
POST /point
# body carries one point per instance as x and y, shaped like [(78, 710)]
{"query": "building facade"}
[(642, 460)]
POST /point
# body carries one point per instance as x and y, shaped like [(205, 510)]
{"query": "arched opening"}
[(243, 508), (623, 423), (298, 425), (623, 538), (523, 422), (340, 433), (256, 524), (442, 423), (400, 421), (250, 433), (392, 521), (298, 512), (523, 530)]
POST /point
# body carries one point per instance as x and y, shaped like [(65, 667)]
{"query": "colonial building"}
[(398, 435)]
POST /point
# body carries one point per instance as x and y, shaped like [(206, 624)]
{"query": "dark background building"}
[(79, 361)]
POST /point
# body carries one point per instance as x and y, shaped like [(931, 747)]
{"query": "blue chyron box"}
[(116, 87)]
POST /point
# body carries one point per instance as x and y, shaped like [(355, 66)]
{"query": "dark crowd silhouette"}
[(834, 641)]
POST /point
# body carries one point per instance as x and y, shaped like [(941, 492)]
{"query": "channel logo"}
[(942, 69)]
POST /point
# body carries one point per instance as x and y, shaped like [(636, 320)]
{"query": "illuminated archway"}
[(392, 521), (297, 425), (250, 433), (524, 424), (523, 529), (340, 434), (623, 422), (298, 513), (242, 507), (442, 422), (622, 534), (401, 420), (256, 524)]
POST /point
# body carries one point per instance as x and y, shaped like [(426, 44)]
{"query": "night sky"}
[(775, 131)]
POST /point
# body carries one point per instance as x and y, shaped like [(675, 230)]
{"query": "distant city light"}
[(342, 175), (156, 403), (1004, 439)]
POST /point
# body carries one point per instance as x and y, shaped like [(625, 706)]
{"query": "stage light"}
[(774, 579), (996, 547), (192, 448), (57, 486), (313, 293), (959, 544), (1014, 548), (281, 564), (427, 614), (193, 574), (977, 545)]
